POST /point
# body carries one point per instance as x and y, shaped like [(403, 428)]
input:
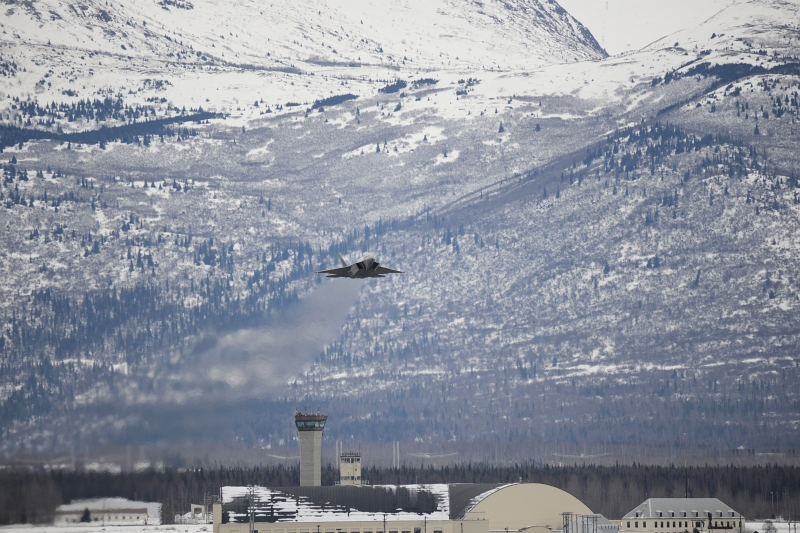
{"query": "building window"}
[(629, 524), (636, 524), (644, 524)]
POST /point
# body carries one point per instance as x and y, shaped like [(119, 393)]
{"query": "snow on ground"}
[(270, 500), (744, 22), (782, 527), (84, 528)]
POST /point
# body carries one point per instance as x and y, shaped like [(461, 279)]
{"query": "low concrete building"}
[(439, 508), (108, 511), (682, 515), (589, 523)]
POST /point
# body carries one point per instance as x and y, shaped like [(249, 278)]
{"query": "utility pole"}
[(251, 496)]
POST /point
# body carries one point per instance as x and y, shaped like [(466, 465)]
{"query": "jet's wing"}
[(384, 270), (335, 272)]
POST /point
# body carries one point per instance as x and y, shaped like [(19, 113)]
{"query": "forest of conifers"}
[(756, 492)]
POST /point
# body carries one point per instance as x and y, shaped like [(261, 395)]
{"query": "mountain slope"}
[(596, 251), (165, 36)]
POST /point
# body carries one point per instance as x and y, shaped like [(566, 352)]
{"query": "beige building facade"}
[(682, 515), (100, 517), (350, 468)]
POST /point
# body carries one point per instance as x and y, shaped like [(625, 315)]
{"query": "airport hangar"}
[(352, 506)]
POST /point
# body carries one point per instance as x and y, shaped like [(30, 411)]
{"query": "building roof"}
[(110, 505), (516, 506), (114, 510), (529, 507), (354, 502), (465, 496), (693, 507)]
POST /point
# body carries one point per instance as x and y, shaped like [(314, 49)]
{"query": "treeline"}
[(726, 73), (612, 491), (333, 100), (137, 132), (135, 321), (97, 110), (8, 69), (630, 153)]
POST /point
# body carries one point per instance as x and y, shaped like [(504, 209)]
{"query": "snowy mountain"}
[(240, 48), (597, 251)]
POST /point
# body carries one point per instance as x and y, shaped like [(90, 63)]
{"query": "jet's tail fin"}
[(341, 260)]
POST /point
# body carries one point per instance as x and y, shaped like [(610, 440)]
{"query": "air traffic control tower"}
[(309, 429)]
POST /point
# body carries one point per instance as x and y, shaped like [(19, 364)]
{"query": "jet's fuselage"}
[(363, 268), (368, 267)]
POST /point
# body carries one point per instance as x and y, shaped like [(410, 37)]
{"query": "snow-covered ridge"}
[(762, 27), (416, 33)]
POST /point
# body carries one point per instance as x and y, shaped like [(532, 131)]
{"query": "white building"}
[(109, 511), (350, 468), (682, 515)]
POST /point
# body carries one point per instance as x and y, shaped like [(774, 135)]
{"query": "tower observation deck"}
[(309, 431)]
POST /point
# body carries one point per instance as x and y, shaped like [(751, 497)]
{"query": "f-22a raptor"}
[(368, 267)]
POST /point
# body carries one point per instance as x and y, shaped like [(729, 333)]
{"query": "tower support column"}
[(310, 428)]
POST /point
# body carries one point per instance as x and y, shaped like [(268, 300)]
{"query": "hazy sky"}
[(621, 25)]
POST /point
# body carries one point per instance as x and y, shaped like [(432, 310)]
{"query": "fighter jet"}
[(366, 268)]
